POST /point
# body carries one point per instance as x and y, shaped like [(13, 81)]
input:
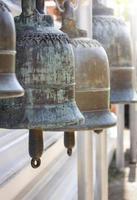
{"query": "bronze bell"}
[(114, 36), (9, 85), (45, 67), (92, 80), (92, 76)]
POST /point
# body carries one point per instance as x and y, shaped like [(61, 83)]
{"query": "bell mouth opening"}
[(11, 94), (125, 96)]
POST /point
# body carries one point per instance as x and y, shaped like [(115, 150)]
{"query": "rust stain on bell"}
[(114, 36), (45, 68), (9, 85)]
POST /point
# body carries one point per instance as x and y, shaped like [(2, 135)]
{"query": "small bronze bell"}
[(92, 80), (114, 36), (9, 85)]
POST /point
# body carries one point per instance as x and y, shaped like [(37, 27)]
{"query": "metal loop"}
[(35, 162), (69, 151)]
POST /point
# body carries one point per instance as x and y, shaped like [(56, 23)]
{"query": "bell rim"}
[(98, 126), (123, 97), (11, 94), (42, 117)]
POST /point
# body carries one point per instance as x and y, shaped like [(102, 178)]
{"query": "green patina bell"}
[(46, 69), (114, 36), (9, 85), (92, 80)]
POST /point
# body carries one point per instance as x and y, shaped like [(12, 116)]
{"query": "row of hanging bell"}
[(45, 67), (9, 85), (92, 79), (114, 36)]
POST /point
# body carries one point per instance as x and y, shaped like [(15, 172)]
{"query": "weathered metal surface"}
[(35, 146), (92, 77), (45, 67), (114, 36), (9, 85)]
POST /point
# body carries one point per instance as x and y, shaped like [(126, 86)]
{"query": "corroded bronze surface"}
[(114, 36), (92, 77), (9, 85), (45, 67)]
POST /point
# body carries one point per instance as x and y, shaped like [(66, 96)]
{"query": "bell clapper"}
[(69, 141), (35, 146)]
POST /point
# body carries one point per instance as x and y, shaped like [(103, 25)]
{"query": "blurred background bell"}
[(9, 85), (114, 36)]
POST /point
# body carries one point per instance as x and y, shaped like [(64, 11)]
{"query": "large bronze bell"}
[(9, 85), (45, 67), (92, 80), (114, 36)]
